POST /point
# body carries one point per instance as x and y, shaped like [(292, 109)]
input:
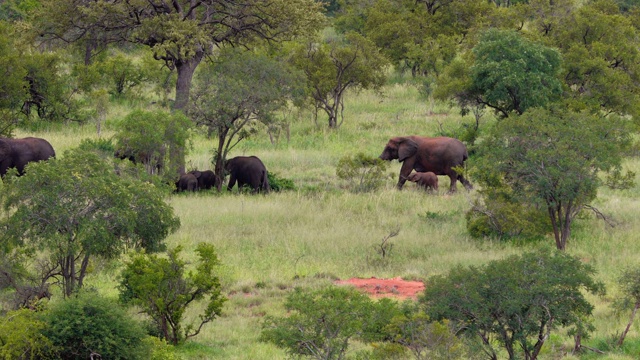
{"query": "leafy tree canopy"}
[(337, 64), (181, 33), (552, 158), (239, 92), (515, 302), (13, 88), (512, 74), (73, 208), (322, 322)]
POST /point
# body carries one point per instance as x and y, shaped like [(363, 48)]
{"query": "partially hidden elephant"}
[(187, 182), (247, 171), (427, 180), (438, 155), (19, 152), (206, 179)]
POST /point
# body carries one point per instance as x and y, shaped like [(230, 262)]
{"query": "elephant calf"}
[(187, 182), (206, 179), (427, 180)]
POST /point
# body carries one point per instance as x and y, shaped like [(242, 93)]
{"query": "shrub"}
[(21, 336), (88, 324), (364, 173), (323, 322), (163, 289), (278, 183)]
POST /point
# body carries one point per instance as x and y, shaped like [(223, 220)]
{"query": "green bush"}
[(163, 289), (21, 336), (88, 324), (278, 183), (364, 173), (500, 216), (322, 323)]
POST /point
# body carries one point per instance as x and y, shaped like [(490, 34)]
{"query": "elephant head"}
[(413, 177), (399, 148)]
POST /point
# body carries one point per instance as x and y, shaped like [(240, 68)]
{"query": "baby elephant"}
[(427, 180)]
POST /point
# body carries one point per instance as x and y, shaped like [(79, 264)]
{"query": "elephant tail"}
[(265, 181)]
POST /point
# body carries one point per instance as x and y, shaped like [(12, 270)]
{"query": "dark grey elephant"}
[(438, 155), (19, 152), (187, 182), (426, 180), (206, 179), (247, 171)]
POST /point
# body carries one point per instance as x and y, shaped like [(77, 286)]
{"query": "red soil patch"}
[(395, 287)]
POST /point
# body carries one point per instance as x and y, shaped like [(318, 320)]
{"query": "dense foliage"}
[(323, 322), (88, 325), (550, 160), (515, 302), (69, 210)]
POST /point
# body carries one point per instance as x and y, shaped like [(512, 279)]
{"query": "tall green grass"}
[(269, 244)]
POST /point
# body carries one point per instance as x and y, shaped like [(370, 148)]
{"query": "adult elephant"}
[(247, 171), (19, 152), (187, 182), (422, 154), (206, 179)]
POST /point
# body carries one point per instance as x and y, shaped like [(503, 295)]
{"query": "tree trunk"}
[(626, 330), (185, 69)]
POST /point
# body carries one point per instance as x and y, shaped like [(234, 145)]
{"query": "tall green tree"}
[(553, 159), (180, 33), (511, 74), (238, 93), (336, 65), (515, 302), (69, 210)]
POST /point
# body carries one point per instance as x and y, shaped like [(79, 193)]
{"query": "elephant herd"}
[(428, 156), (245, 170)]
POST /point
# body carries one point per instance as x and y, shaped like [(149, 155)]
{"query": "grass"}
[(270, 244)]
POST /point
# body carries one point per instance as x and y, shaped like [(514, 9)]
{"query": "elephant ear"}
[(406, 148), (196, 173)]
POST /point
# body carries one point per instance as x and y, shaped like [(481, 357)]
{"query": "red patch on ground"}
[(396, 287)]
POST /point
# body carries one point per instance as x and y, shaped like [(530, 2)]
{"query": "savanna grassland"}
[(270, 244)]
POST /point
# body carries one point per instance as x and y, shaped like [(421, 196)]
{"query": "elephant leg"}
[(454, 178), (232, 182), (405, 170), (465, 182)]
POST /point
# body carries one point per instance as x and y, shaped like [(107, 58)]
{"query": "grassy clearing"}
[(271, 244)]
